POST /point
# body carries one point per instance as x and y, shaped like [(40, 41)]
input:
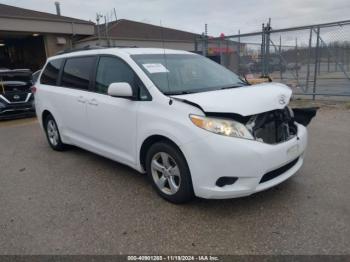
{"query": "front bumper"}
[(217, 156), (13, 111)]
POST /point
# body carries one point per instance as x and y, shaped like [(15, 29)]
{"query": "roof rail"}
[(71, 50)]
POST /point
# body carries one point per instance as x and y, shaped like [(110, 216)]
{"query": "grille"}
[(279, 171), (15, 96)]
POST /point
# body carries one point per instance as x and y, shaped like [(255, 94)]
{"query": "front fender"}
[(170, 121)]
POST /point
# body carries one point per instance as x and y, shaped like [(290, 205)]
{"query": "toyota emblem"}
[(282, 100)]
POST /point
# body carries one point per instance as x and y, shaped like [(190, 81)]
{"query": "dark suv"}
[(16, 98)]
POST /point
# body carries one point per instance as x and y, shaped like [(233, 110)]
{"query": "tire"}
[(169, 173), (53, 135)]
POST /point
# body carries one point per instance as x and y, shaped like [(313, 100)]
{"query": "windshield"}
[(186, 73)]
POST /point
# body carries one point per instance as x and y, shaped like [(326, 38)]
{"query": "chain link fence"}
[(313, 60)]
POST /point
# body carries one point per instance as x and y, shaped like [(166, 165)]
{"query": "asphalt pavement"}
[(76, 202)]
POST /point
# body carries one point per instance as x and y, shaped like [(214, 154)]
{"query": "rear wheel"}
[(53, 134), (168, 170)]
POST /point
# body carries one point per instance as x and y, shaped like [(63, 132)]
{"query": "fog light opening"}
[(225, 180)]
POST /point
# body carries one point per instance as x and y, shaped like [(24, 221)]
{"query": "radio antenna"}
[(165, 59)]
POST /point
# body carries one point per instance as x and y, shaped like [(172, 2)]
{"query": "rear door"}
[(112, 120), (72, 95)]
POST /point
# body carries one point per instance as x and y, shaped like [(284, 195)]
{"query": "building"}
[(28, 37), (129, 33)]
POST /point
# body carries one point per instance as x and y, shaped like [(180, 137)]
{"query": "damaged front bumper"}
[(215, 157)]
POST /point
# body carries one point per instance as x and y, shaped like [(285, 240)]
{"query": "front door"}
[(112, 120)]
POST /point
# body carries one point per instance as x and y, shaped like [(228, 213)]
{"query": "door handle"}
[(93, 102), (81, 99)]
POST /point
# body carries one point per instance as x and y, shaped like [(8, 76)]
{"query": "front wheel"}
[(168, 170)]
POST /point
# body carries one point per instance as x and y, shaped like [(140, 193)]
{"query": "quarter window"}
[(51, 72), (77, 72)]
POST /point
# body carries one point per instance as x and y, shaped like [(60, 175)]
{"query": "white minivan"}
[(196, 128)]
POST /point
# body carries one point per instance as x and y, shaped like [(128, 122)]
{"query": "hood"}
[(246, 101), (16, 73)]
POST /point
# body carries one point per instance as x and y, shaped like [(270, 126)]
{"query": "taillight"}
[(33, 89)]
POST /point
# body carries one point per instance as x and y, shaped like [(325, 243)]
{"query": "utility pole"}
[(98, 16), (106, 31), (115, 14)]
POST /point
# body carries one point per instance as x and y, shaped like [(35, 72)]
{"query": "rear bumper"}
[(218, 156)]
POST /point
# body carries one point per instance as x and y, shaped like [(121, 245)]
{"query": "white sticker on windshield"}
[(155, 68)]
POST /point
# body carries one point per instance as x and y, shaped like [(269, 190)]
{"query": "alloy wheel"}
[(52, 132), (165, 173)]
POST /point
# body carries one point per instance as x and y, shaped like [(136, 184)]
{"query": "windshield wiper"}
[(229, 87), (186, 92), (245, 80), (178, 93)]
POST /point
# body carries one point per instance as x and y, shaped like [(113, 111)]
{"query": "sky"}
[(222, 16)]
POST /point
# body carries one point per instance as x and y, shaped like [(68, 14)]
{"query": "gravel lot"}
[(79, 203)]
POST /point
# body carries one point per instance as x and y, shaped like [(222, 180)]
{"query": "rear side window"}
[(51, 72), (77, 72)]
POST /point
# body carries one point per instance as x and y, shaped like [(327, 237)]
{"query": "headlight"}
[(222, 126)]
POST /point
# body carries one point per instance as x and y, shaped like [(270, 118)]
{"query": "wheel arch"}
[(148, 142), (44, 115)]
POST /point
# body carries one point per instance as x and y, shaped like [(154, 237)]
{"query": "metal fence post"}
[(202, 44), (316, 62), (296, 60), (342, 56), (262, 55), (195, 45), (267, 53), (328, 62), (280, 60), (347, 59), (227, 59), (239, 52), (220, 51), (308, 62), (204, 38), (336, 57), (319, 59)]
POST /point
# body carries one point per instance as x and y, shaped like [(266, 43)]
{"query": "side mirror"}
[(120, 89)]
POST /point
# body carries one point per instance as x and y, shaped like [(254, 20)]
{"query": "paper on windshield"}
[(155, 68)]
